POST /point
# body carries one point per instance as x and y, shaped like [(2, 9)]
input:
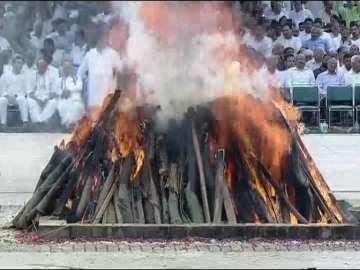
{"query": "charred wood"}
[(105, 189), (201, 174), (123, 202)]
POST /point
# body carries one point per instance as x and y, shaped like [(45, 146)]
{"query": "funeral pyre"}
[(217, 165), (209, 141)]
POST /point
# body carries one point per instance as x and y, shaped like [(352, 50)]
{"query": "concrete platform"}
[(209, 231), (24, 155)]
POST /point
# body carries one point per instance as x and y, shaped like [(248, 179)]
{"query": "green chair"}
[(306, 99), (340, 99), (357, 101), (286, 93)]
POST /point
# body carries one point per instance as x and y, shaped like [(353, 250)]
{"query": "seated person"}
[(70, 106), (299, 75), (13, 90), (353, 77), (42, 93), (329, 77)]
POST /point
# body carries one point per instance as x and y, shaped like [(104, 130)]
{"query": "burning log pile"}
[(209, 167)]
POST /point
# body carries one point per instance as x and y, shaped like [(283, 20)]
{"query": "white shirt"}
[(335, 41), (304, 36), (293, 42), (356, 42), (352, 78), (100, 66), (43, 84), (343, 70), (36, 42), (277, 79), (328, 36), (315, 7), (269, 14), (312, 65), (61, 42), (101, 17), (4, 44), (59, 12), (54, 71), (298, 17), (78, 54), (300, 77), (13, 84), (263, 46), (73, 85)]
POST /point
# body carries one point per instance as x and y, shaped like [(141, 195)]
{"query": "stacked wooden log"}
[(177, 178)]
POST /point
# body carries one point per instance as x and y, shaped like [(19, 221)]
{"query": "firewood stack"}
[(124, 169)]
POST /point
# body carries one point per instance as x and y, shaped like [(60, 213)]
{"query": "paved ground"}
[(22, 157), (338, 158)]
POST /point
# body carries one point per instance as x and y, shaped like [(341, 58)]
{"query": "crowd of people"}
[(304, 42), (56, 56), (55, 59)]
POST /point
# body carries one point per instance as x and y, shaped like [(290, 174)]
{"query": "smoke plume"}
[(185, 54)]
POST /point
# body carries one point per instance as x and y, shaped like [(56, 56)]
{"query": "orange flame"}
[(129, 139), (81, 132)]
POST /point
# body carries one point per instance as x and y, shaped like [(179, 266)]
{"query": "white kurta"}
[(100, 67), (78, 54), (263, 46), (352, 78), (13, 85), (4, 44), (298, 17), (300, 77), (293, 42), (72, 108), (42, 86)]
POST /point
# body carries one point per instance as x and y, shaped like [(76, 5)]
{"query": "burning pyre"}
[(216, 165), (230, 151)]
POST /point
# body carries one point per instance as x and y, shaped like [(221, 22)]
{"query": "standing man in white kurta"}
[(101, 63), (70, 106), (13, 90), (43, 92)]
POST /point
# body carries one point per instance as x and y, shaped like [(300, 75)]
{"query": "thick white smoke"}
[(184, 73)]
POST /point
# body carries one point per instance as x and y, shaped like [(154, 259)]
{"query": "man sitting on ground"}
[(42, 93), (13, 91)]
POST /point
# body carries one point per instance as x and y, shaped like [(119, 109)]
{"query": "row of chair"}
[(339, 99)]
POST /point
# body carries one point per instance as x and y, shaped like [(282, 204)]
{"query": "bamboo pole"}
[(201, 173), (105, 204)]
